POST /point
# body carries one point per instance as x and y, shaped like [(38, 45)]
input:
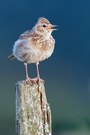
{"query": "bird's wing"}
[(25, 35), (28, 34)]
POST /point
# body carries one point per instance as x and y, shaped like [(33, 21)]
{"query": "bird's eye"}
[(44, 25)]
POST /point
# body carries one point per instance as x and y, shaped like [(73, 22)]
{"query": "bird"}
[(34, 46)]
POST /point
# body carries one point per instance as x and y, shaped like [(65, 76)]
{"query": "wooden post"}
[(33, 114)]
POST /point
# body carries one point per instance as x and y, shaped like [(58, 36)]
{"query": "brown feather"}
[(11, 57)]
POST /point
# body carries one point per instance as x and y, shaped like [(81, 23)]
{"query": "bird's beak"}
[(53, 27)]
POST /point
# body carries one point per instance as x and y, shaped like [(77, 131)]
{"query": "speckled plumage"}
[(35, 45)]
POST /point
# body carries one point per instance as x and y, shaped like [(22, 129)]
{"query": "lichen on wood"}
[(33, 114)]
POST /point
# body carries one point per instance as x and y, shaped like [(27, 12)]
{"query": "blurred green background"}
[(66, 73)]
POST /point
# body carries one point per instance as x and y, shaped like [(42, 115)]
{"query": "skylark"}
[(34, 46)]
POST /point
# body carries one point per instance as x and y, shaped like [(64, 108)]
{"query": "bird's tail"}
[(11, 57)]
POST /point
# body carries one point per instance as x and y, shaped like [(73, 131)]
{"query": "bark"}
[(33, 114)]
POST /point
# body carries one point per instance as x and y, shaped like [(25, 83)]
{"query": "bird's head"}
[(44, 27)]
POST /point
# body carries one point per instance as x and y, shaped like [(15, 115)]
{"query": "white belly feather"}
[(25, 52)]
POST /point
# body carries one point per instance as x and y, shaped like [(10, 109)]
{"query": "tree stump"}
[(33, 114)]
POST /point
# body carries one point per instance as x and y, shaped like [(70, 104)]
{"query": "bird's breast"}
[(42, 49)]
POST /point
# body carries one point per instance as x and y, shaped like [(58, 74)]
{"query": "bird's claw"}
[(34, 81), (40, 80), (31, 81)]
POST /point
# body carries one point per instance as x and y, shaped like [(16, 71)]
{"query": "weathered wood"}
[(33, 114)]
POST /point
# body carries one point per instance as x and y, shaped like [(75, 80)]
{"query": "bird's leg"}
[(38, 74), (26, 69), (29, 80)]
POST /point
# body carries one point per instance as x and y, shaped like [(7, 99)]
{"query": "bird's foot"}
[(40, 80), (31, 81)]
